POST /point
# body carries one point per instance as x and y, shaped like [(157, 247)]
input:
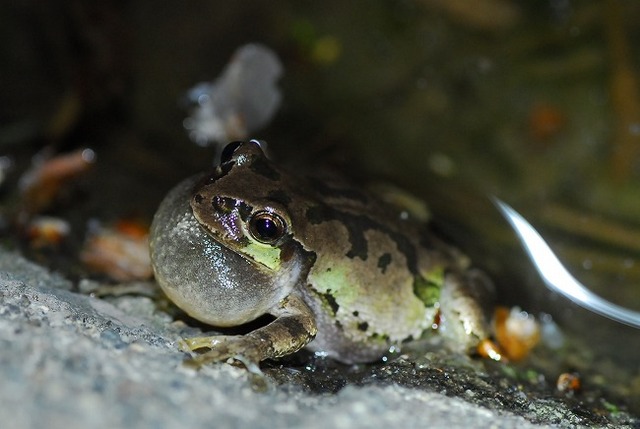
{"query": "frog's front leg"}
[(464, 301), (292, 329)]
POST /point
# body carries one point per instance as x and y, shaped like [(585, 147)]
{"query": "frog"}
[(336, 268)]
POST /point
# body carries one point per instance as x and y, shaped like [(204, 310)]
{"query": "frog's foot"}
[(292, 329), (222, 348)]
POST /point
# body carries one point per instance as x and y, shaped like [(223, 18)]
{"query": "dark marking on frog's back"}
[(380, 337), (357, 225), (327, 299), (333, 304), (363, 326), (322, 213), (338, 325), (383, 262)]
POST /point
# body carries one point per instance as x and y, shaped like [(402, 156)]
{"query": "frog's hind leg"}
[(465, 301)]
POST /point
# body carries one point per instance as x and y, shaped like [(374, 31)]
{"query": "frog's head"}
[(244, 206)]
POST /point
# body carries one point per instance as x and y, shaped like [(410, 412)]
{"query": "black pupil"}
[(267, 229)]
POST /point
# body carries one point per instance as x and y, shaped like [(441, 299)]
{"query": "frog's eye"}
[(267, 227), (228, 151)]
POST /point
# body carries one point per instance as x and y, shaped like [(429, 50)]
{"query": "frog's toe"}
[(211, 356), (196, 343), (221, 348)]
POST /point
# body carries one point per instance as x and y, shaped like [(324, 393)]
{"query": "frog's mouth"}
[(260, 255)]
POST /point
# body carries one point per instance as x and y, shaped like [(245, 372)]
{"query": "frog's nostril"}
[(198, 198)]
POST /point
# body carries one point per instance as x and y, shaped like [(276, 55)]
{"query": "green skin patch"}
[(366, 310), (428, 288), (264, 254)]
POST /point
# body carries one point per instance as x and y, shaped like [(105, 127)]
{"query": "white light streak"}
[(556, 276)]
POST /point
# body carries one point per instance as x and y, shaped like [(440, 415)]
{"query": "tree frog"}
[(339, 270)]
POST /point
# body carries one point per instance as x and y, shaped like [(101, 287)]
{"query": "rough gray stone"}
[(69, 360)]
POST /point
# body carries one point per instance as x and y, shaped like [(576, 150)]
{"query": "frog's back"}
[(376, 278)]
